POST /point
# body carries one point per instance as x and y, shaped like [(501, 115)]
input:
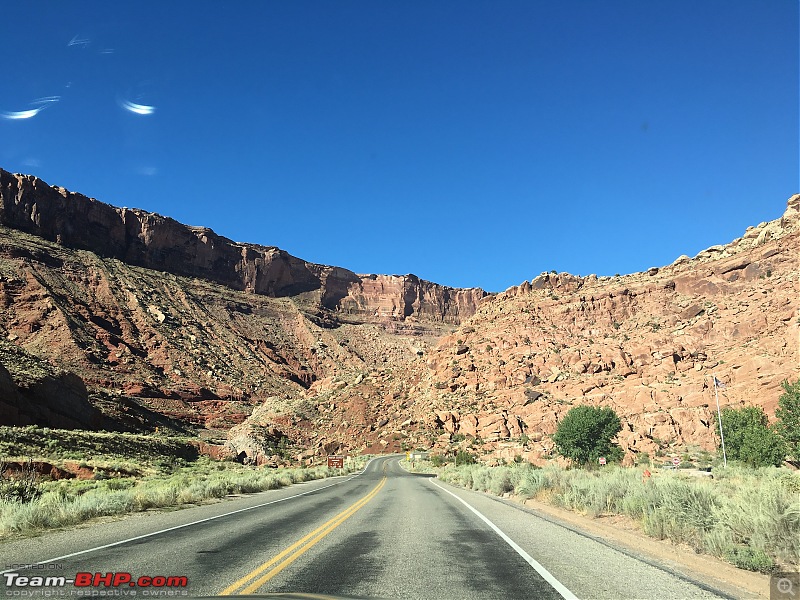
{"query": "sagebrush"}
[(749, 517)]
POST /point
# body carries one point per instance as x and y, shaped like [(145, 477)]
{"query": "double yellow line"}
[(246, 585)]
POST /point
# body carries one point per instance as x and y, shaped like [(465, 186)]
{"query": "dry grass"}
[(749, 517), (68, 502)]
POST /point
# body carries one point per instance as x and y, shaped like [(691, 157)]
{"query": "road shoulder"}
[(620, 532)]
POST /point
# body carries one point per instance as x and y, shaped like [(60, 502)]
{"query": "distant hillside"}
[(645, 344), (121, 319), (149, 240)]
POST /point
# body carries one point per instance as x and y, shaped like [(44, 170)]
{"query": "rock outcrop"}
[(155, 242), (32, 392), (646, 344), (125, 315), (400, 297)]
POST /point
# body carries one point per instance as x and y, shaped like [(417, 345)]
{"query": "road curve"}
[(383, 533)]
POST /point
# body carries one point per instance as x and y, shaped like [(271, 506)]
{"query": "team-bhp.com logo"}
[(93, 583)]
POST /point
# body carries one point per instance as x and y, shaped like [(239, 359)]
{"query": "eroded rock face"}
[(155, 242), (340, 362), (399, 297), (646, 344), (154, 348), (32, 392)]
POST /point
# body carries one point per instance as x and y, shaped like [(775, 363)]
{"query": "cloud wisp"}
[(138, 109), (38, 106)]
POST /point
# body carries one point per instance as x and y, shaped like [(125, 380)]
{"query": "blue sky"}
[(470, 143)]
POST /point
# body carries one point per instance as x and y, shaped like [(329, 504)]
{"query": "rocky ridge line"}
[(156, 242), (645, 344)]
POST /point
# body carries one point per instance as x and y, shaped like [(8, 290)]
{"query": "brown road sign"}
[(336, 462)]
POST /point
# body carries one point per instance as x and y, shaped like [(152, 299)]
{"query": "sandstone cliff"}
[(152, 241), (646, 344), (183, 348), (153, 323)]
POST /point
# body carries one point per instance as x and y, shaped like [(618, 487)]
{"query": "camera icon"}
[(784, 586)]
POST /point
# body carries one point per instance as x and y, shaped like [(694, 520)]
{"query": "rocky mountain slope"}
[(199, 342), (148, 240), (646, 344), (151, 323)]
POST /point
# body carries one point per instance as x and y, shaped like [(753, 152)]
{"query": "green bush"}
[(464, 458), (752, 559), (585, 434), (437, 460), (749, 439), (788, 414)]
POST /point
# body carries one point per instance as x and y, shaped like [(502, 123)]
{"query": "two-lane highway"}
[(382, 533)]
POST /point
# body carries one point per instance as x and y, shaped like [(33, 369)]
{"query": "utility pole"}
[(719, 418)]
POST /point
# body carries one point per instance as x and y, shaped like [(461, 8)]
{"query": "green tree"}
[(585, 434), (464, 458), (749, 439), (788, 414)]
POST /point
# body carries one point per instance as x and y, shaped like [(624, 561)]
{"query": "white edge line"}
[(146, 535), (546, 575)]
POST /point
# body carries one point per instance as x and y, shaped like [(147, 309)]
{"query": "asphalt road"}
[(384, 533)]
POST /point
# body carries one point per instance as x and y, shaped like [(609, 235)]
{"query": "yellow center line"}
[(298, 548), (257, 584)]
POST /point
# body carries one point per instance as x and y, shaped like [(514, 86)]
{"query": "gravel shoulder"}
[(621, 532)]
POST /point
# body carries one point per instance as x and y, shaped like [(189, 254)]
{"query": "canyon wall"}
[(169, 326), (155, 242), (646, 344)]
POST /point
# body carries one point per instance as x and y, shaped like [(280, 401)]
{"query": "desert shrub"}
[(762, 511), (20, 486), (788, 414), (534, 481), (118, 484), (585, 434), (752, 559), (70, 502), (480, 479), (501, 480), (595, 492), (749, 439), (459, 475)]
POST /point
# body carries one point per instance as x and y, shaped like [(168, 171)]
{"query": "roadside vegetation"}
[(750, 439), (106, 453), (130, 474), (586, 433), (788, 418), (747, 514), (749, 517)]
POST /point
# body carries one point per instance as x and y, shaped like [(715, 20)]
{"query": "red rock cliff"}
[(155, 242)]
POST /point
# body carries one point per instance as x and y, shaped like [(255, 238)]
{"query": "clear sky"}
[(470, 143)]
